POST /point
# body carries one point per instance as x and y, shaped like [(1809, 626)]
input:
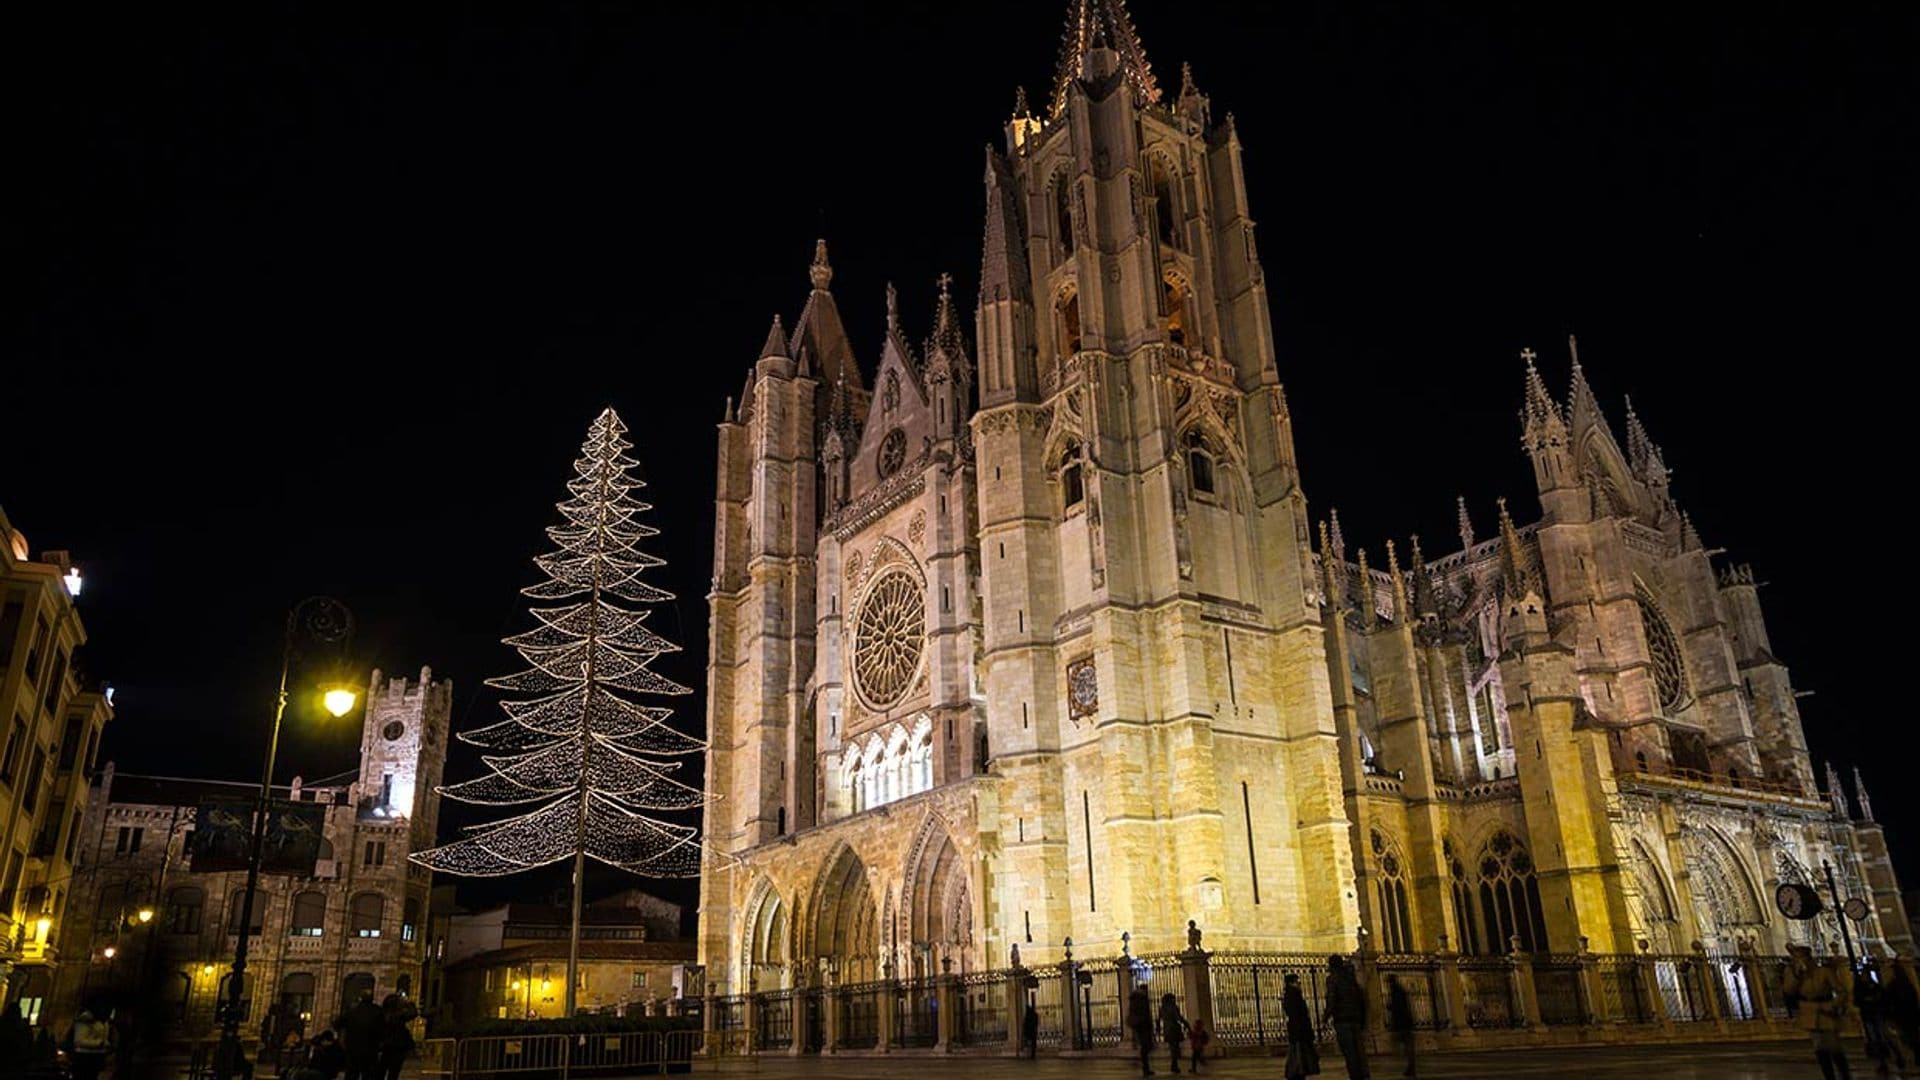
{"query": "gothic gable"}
[(899, 426)]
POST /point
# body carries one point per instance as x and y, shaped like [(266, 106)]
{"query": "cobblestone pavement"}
[(1709, 1061)]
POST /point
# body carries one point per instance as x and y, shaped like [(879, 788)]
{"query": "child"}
[(1199, 1036)]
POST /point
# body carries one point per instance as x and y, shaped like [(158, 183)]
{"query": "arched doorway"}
[(939, 904), (845, 921), (769, 958)]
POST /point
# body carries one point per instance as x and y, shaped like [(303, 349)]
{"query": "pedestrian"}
[(1140, 1020), (1903, 1004), (1303, 1050), (1173, 1028), (1824, 995), (325, 1059), (1200, 1035), (1030, 1032), (16, 1035), (365, 1026), (1347, 1010), (1871, 999), (89, 1042), (1400, 1019), (396, 1041)]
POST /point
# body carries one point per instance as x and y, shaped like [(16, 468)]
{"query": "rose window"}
[(1663, 649), (893, 452), (887, 638)]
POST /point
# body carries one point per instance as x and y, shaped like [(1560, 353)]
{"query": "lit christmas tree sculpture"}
[(598, 764)]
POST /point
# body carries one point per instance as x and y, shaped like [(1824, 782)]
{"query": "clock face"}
[(393, 730), (1856, 909), (1796, 901)]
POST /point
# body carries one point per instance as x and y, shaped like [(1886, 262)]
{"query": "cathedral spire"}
[(1100, 24), (819, 340), (1541, 416), (1332, 571), (1837, 793), (1425, 602), (1581, 394), (1339, 547), (1643, 454), (1363, 594), (1465, 522), (946, 326), (1860, 795), (1397, 584), (1513, 557)]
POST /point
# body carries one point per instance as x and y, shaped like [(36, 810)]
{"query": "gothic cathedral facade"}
[(1032, 641)]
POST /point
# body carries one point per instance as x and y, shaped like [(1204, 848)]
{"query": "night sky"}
[(321, 298)]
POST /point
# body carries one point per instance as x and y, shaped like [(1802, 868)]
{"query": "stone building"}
[(357, 925), (510, 962), (1029, 640), (52, 719)]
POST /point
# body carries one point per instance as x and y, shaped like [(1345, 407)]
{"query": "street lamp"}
[(327, 621)]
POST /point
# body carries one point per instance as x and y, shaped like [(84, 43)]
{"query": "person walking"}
[(1140, 1020), (396, 1039), (1824, 994), (365, 1026), (1199, 1035), (1870, 997), (88, 1044), (1400, 1019), (1173, 1028), (1347, 1010), (1030, 1032), (1903, 1004), (1303, 1051)]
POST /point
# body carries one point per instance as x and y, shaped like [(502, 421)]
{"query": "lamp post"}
[(325, 620)]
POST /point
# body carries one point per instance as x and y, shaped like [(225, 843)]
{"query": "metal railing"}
[(1420, 978), (916, 1018), (1487, 983), (980, 1017), (859, 1007), (773, 1021), (1247, 994), (1556, 987)]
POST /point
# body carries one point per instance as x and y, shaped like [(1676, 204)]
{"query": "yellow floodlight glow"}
[(145, 915), (339, 701)]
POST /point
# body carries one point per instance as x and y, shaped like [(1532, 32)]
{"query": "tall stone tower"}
[(1155, 680)]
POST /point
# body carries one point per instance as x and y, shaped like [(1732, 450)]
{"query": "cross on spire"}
[(1528, 355), (946, 281)]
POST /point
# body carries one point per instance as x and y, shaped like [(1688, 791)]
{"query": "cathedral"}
[(1030, 638)]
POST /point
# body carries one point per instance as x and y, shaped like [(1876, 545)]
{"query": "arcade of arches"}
[(856, 921)]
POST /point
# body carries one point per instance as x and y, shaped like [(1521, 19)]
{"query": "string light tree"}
[(598, 764)]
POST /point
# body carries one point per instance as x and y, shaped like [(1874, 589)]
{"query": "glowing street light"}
[(108, 952), (73, 581), (145, 915), (339, 701)]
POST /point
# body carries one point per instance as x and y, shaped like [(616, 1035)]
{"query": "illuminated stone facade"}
[(358, 924), (1030, 640)]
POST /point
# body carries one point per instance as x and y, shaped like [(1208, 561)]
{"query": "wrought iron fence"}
[(773, 1021), (1247, 990), (1769, 973), (1048, 993), (1685, 983), (1420, 978), (860, 1005), (1103, 1014), (980, 1017), (1556, 987), (1487, 985), (916, 1016), (1620, 992)]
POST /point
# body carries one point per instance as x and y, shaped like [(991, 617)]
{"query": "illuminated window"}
[(309, 914), (369, 910)]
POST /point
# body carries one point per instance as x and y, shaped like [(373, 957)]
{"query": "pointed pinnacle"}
[(1331, 570), (1465, 522), (821, 272), (1399, 584), (1339, 542), (1363, 598), (776, 341), (893, 309)]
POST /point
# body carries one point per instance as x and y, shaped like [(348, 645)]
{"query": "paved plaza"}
[(1705, 1061)]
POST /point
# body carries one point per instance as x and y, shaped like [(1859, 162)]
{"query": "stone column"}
[(946, 1008), (889, 1011), (709, 1019), (830, 1013), (1526, 1000), (1453, 989), (750, 1006), (1016, 991), (1650, 986), (1196, 983), (1584, 984), (798, 1004), (1705, 979), (1070, 1029), (1756, 988)]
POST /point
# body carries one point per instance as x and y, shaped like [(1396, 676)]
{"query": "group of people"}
[(368, 1042), (1822, 997), (1170, 1026)]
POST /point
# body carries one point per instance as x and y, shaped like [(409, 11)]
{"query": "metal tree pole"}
[(329, 621), (586, 752), (1839, 912)]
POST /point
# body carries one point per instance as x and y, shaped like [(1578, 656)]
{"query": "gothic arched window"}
[(1469, 943), (1063, 213), (1396, 927), (1199, 463), (1510, 896), (1165, 214), (1176, 308), (1069, 311), (1073, 485)]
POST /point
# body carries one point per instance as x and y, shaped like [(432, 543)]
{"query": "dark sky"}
[(320, 298)]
